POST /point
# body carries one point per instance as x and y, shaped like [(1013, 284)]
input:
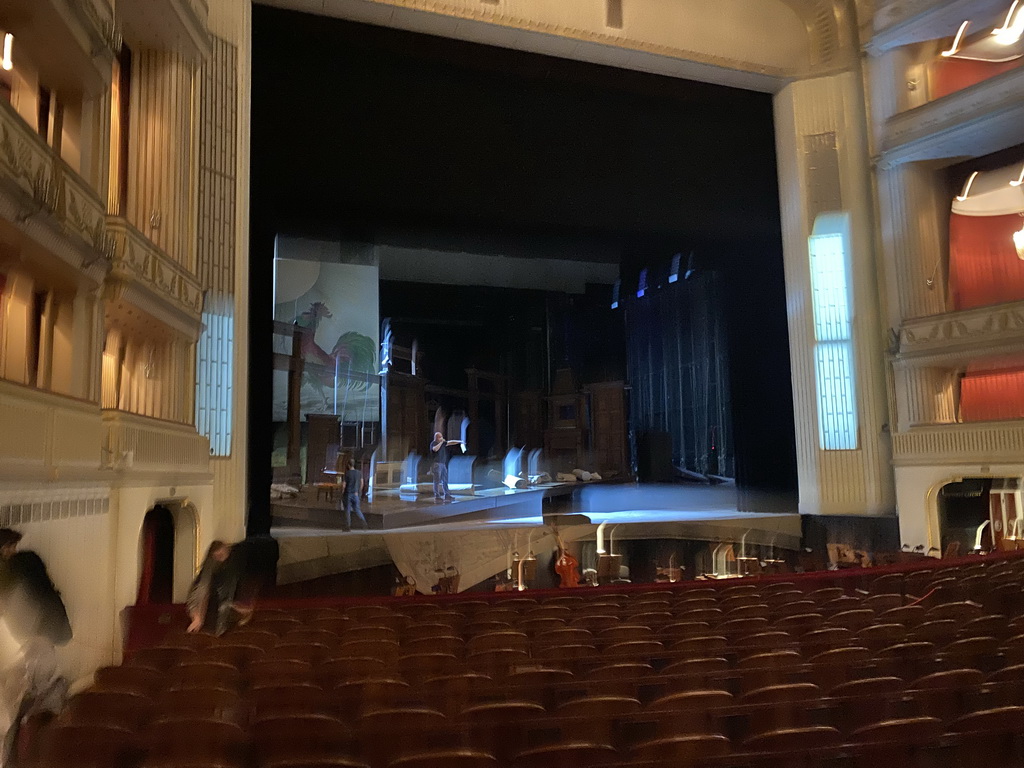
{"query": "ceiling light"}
[(956, 40), (967, 188), (1010, 33), (6, 62)]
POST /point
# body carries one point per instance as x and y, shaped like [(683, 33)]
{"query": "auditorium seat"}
[(446, 759), (136, 678), (301, 736), (89, 746), (769, 665), (681, 751), (565, 755), (989, 737)]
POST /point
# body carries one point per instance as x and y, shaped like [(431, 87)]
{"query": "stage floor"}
[(413, 533), (391, 511)]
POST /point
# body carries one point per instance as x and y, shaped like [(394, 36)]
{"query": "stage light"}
[(691, 268), (6, 62), (956, 40), (1010, 33), (967, 188), (673, 273), (615, 294), (642, 286)]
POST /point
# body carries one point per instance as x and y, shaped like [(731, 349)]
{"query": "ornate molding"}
[(958, 336), (26, 162), (974, 121), (149, 278), (494, 15), (82, 212)]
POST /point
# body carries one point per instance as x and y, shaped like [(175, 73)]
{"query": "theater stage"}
[(475, 532)]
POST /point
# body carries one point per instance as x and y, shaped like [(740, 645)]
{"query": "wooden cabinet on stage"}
[(566, 436), (407, 416), (608, 427), (323, 431), (529, 419)]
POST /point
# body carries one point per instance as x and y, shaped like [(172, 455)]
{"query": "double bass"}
[(566, 566)]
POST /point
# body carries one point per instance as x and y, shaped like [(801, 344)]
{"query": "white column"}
[(806, 114)]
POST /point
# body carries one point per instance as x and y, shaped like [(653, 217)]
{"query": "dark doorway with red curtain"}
[(156, 583)]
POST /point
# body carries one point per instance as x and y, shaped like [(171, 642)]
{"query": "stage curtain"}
[(948, 76), (983, 265), (992, 395), (149, 532)]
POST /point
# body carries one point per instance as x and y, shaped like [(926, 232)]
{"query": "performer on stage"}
[(440, 468)]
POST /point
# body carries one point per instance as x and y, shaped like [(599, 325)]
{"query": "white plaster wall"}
[(917, 496), (78, 555)]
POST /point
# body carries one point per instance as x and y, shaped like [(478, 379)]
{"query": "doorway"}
[(167, 556), (156, 582)]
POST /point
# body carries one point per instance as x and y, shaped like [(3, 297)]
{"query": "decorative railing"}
[(136, 258), (46, 435), (26, 162), (141, 444), (976, 444)]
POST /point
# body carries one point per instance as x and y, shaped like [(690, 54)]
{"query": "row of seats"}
[(727, 675)]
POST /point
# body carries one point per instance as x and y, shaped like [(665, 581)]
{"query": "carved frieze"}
[(26, 162), (960, 335)]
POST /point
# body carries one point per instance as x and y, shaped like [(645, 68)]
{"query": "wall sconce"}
[(1018, 243), (6, 61), (967, 188), (956, 40), (1012, 28)]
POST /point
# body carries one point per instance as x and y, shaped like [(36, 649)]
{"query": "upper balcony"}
[(176, 25), (152, 281), (51, 203), (47, 437), (904, 22), (71, 42), (978, 120)]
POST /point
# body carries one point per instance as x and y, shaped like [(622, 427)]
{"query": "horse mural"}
[(352, 353)]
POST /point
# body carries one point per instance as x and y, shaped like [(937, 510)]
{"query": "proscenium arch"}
[(758, 45)]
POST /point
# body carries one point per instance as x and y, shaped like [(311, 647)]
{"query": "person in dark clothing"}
[(34, 614), (352, 492), (211, 599), (440, 468), (33, 606)]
